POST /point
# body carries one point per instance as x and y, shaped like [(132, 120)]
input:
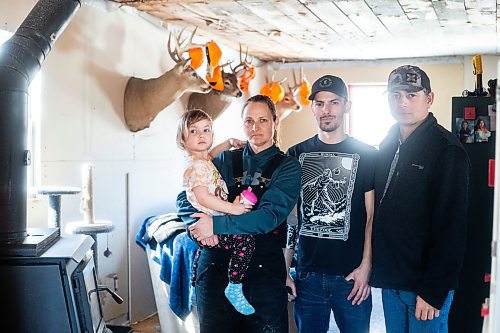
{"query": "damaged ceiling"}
[(307, 31)]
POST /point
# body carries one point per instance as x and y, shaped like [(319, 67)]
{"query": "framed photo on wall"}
[(464, 129), (482, 127)]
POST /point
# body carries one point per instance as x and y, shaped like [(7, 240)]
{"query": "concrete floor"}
[(152, 324)]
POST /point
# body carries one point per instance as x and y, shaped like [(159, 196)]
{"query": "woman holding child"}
[(275, 180)]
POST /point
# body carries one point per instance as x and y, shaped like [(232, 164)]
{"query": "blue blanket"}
[(176, 256)]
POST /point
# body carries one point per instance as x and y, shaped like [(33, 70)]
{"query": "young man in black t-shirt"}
[(335, 212)]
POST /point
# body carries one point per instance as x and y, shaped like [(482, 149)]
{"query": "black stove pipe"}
[(21, 58)]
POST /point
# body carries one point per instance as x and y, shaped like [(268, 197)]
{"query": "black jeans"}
[(263, 286)]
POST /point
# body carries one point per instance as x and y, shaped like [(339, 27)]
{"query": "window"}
[(34, 112), (369, 118)]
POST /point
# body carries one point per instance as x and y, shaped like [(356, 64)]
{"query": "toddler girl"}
[(207, 192)]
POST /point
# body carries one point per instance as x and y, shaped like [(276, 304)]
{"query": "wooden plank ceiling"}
[(301, 30)]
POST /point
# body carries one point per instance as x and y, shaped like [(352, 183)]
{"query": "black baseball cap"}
[(408, 78), (329, 83)]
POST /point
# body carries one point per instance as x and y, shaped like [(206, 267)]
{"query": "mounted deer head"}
[(245, 71), (144, 99), (289, 103), (273, 89), (217, 101)]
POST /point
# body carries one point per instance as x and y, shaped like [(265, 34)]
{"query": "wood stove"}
[(54, 292), (48, 283)]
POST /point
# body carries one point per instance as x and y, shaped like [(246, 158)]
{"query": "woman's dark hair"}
[(478, 122), (188, 118), (270, 105)]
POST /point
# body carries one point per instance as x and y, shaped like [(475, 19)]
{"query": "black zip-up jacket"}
[(419, 229)]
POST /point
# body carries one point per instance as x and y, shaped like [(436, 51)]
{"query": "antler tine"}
[(190, 41), (173, 53), (180, 48), (296, 84), (237, 68), (226, 64), (241, 55), (246, 55), (242, 63), (178, 39)]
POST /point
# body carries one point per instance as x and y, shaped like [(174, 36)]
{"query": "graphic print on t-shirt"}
[(327, 187), (251, 180)]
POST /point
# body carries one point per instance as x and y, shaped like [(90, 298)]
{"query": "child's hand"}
[(239, 208), (235, 143)]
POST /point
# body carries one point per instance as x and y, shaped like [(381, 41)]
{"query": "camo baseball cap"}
[(329, 83), (408, 78)]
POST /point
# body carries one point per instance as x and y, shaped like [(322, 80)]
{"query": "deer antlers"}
[(145, 98), (179, 48), (244, 71), (244, 63), (296, 84)]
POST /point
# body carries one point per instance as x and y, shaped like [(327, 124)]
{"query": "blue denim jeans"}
[(399, 313), (318, 294)]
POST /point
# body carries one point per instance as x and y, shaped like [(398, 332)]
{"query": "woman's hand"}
[(210, 241), (235, 143), (203, 228)]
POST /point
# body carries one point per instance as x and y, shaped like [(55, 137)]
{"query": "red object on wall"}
[(491, 173), (487, 278), (485, 310), (470, 113)]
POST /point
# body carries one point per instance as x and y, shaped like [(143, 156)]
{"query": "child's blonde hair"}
[(188, 118)]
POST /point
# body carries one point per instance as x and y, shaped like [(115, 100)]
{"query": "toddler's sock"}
[(234, 294)]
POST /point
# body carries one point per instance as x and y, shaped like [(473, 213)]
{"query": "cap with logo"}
[(329, 83), (408, 78)]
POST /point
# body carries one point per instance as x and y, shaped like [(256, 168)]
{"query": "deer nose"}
[(239, 94)]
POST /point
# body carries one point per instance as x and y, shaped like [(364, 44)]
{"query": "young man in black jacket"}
[(419, 230)]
